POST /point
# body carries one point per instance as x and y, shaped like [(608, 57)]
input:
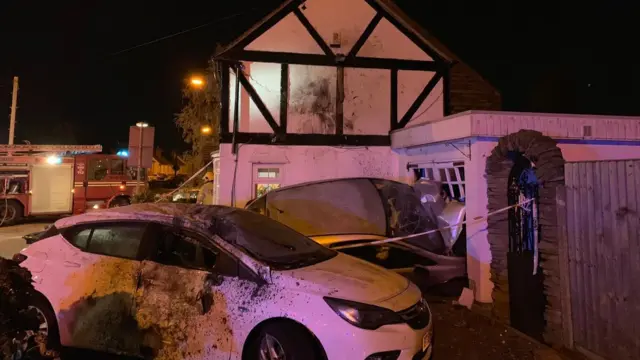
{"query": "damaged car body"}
[(356, 211), (180, 281)]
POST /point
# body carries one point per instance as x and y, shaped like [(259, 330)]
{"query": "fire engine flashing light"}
[(54, 160), (123, 153), (122, 187)]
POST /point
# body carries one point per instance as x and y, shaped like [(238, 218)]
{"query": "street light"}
[(206, 130), (197, 81), (142, 126)]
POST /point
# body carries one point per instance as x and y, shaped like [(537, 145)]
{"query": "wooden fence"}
[(603, 251)]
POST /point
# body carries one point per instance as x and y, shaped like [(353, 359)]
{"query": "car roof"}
[(169, 213), (315, 182)]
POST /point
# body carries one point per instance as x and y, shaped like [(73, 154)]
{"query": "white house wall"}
[(312, 89), (299, 164)]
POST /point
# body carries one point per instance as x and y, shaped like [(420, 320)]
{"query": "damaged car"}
[(181, 281), (347, 214)]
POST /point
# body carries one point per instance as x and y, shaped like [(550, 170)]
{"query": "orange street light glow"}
[(196, 81)]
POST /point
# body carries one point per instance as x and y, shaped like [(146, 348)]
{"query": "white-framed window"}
[(451, 175), (266, 177)]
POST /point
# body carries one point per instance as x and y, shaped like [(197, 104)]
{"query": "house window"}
[(451, 175), (266, 178)]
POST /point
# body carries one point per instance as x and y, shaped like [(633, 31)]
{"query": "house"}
[(161, 166), (319, 86), (346, 88)]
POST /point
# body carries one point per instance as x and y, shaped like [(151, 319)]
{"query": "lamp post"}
[(142, 126)]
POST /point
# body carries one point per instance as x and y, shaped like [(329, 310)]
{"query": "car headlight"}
[(364, 316)]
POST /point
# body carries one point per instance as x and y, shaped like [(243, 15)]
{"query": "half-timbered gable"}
[(336, 73)]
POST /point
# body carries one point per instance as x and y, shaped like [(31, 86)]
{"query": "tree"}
[(201, 109)]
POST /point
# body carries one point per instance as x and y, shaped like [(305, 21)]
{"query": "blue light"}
[(123, 153)]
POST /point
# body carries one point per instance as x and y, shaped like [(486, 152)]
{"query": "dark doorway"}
[(526, 291)]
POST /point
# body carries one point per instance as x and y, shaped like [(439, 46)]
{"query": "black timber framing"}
[(324, 60), (408, 33), (313, 32), (394, 100), (419, 100), (365, 35), (284, 97), (258, 101), (307, 139), (225, 98), (439, 66), (266, 25)]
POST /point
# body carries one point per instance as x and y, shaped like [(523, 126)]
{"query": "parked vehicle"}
[(343, 212), (190, 281), (37, 180)]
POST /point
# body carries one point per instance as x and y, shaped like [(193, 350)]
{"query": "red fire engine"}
[(38, 180)]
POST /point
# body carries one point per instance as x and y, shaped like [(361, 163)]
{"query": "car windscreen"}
[(271, 242), (339, 207)]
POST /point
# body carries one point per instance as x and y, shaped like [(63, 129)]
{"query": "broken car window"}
[(179, 247), (119, 240), (270, 241)]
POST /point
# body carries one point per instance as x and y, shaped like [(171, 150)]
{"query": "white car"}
[(211, 282)]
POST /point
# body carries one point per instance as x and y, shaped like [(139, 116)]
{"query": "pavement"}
[(11, 240)]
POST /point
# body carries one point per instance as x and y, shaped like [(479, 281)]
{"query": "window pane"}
[(97, 169), (461, 171), (270, 173), (117, 240), (209, 258), (117, 166), (452, 174), (81, 238), (443, 175), (262, 189), (430, 174)]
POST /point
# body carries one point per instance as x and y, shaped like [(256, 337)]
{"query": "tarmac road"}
[(11, 240)]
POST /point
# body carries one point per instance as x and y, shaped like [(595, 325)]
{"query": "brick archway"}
[(549, 170)]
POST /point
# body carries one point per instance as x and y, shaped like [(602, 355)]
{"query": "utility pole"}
[(14, 106)]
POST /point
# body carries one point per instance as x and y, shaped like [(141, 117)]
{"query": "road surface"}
[(11, 240)]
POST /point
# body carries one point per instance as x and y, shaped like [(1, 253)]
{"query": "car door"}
[(100, 280), (183, 295)]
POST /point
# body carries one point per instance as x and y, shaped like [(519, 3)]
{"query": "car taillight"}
[(19, 258)]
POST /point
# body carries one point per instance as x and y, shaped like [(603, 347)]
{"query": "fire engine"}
[(37, 180)]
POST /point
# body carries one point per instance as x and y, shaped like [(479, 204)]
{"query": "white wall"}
[(312, 89), (301, 164)]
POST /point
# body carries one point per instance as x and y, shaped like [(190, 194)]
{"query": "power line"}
[(212, 22)]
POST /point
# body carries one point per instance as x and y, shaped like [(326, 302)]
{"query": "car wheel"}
[(284, 341), (119, 201), (48, 324), (10, 212)]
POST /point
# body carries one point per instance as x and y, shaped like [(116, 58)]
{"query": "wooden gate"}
[(603, 232)]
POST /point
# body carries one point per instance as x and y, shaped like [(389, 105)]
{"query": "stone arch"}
[(549, 170)]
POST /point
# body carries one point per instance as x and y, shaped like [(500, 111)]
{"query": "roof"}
[(389, 6), (492, 125), (196, 215)]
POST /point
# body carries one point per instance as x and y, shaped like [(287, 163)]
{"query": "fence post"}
[(563, 259)]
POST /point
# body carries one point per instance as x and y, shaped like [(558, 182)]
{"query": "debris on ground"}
[(461, 334)]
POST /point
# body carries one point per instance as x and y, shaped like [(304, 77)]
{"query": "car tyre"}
[(284, 340), (13, 211), (50, 322)]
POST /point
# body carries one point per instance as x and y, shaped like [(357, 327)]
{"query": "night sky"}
[(87, 70)]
